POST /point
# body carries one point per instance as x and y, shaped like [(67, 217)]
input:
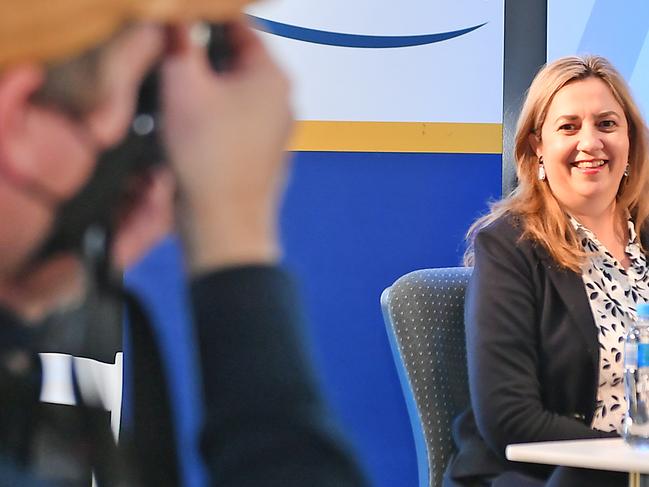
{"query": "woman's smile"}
[(591, 166)]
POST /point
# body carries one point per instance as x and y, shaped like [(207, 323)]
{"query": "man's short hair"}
[(75, 85)]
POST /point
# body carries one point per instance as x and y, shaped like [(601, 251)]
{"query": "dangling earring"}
[(541, 170), (626, 171)]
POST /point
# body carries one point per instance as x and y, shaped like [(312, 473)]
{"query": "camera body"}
[(85, 223)]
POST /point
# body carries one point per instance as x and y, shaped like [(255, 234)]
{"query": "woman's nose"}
[(590, 140)]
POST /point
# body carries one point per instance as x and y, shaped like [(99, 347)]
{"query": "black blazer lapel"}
[(570, 288)]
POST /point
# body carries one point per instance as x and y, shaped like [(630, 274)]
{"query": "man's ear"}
[(17, 157)]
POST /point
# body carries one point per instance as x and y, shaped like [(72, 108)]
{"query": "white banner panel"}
[(452, 73)]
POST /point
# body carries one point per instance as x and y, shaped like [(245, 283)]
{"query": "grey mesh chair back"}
[(424, 317)]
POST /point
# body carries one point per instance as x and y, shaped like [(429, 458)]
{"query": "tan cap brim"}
[(49, 30)]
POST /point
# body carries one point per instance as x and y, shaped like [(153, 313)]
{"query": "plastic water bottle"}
[(635, 428)]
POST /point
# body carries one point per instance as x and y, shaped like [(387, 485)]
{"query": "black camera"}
[(85, 223)]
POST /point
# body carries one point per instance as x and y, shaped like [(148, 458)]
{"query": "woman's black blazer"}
[(533, 354)]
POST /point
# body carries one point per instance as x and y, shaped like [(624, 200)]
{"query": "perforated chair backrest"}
[(424, 317)]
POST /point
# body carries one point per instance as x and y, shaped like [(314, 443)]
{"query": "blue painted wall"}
[(576, 27), (352, 223)]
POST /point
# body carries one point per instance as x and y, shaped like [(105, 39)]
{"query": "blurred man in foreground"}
[(70, 74)]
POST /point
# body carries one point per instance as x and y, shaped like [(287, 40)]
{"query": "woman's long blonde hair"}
[(542, 217)]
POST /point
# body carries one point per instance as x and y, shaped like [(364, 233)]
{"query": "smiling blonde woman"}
[(559, 267)]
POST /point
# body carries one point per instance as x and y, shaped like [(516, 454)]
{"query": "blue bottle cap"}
[(643, 310)]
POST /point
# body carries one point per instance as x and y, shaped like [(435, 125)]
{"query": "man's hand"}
[(146, 218), (226, 134)]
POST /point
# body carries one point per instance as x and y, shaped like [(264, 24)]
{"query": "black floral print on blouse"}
[(613, 294)]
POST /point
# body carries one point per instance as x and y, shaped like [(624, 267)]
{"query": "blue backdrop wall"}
[(352, 223), (412, 112)]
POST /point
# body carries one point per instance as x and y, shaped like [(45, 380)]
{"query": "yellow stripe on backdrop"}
[(463, 138)]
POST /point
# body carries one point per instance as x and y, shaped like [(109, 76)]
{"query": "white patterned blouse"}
[(613, 294)]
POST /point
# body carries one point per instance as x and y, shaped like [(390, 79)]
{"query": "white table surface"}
[(600, 454)]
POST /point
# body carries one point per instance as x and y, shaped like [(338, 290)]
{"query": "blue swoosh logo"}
[(353, 40)]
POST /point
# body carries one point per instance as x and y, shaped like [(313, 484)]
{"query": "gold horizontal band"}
[(464, 138)]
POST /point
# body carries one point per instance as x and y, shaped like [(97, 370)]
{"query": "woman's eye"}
[(567, 127), (607, 124)]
